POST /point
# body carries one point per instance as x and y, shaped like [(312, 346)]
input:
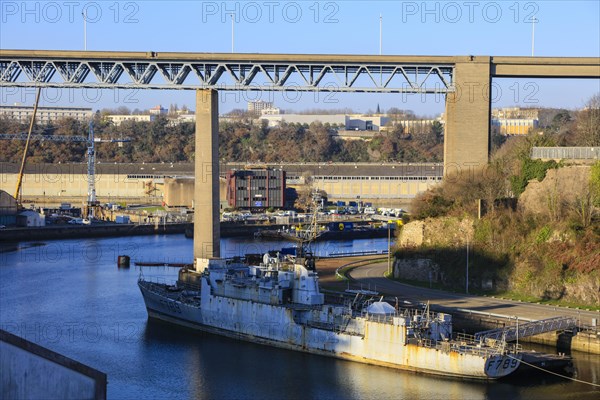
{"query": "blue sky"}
[(409, 27)]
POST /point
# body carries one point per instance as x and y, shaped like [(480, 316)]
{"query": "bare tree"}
[(584, 208), (588, 123)]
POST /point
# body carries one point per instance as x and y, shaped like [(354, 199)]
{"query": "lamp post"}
[(84, 30), (533, 22), (389, 247), (232, 32), (467, 272), (380, 32)]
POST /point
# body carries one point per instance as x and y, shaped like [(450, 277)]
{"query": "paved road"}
[(371, 276)]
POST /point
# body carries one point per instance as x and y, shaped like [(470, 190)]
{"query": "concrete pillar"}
[(206, 187), (467, 133)]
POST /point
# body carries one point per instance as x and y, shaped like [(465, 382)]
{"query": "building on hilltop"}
[(520, 120), (119, 119), (259, 105), (45, 115), (158, 110), (516, 126)]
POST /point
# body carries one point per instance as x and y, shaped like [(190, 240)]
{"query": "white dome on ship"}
[(381, 308)]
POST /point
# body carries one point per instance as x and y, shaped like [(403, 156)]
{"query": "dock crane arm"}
[(22, 170)]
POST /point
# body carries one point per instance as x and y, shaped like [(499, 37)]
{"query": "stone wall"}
[(560, 187), (419, 269)]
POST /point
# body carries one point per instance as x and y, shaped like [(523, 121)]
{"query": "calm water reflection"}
[(70, 297)]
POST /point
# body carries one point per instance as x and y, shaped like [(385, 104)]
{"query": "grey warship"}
[(278, 303)]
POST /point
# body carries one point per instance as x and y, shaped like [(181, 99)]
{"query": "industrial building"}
[(172, 184), (516, 126), (352, 122), (256, 188)]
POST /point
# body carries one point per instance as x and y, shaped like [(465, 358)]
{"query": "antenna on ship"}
[(311, 233)]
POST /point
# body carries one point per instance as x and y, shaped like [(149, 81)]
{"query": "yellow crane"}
[(22, 170)]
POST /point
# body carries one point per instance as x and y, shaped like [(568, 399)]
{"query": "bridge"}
[(464, 80), (530, 328)]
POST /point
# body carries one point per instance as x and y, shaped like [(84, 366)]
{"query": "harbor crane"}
[(91, 140)]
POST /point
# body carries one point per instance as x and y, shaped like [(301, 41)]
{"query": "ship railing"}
[(406, 313), (154, 281), (466, 343), (383, 319), (156, 285), (159, 285), (192, 287)]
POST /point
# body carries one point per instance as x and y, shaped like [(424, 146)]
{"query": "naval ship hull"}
[(364, 340)]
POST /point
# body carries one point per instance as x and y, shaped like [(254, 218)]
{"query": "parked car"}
[(369, 211)]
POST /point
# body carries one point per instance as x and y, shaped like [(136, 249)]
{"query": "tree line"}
[(239, 141)]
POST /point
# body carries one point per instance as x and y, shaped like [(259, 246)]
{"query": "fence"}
[(565, 153)]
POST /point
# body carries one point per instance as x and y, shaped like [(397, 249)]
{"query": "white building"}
[(119, 119), (45, 115), (270, 111), (353, 122), (358, 122), (259, 105), (181, 118), (332, 119)]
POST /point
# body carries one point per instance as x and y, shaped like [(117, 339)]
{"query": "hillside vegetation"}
[(539, 237), (239, 141)]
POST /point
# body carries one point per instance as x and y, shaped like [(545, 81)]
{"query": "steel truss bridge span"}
[(272, 72)]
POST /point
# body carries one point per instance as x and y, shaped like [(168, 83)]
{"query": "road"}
[(371, 277)]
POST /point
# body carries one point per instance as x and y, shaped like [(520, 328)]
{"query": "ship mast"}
[(311, 233)]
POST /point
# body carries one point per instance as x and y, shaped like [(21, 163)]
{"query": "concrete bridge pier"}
[(206, 189), (467, 132)]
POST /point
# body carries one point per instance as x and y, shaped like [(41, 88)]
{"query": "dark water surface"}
[(70, 297)]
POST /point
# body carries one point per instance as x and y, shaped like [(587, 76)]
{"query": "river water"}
[(70, 296)]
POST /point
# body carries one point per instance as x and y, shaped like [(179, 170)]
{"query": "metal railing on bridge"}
[(527, 329), (565, 153)]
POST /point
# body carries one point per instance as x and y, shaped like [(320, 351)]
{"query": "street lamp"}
[(534, 20), (389, 268), (467, 272), (84, 30), (380, 32), (232, 31)]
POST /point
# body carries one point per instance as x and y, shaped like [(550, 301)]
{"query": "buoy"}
[(123, 262)]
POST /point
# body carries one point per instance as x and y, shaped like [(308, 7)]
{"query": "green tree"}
[(595, 183)]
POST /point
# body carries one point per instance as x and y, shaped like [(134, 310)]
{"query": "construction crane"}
[(91, 140), (28, 139)]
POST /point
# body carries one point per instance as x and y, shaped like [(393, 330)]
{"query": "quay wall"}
[(30, 371)]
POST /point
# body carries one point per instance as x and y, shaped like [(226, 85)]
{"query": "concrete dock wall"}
[(30, 371)]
